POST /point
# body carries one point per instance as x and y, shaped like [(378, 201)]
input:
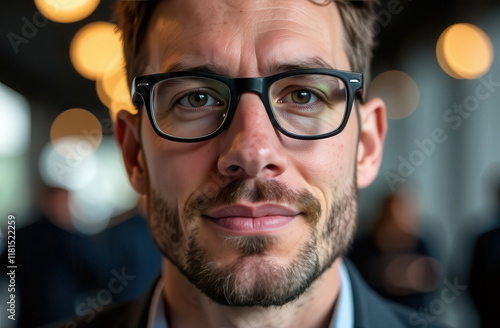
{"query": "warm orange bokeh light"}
[(113, 90), (464, 51), (76, 133), (93, 48), (108, 81), (121, 99), (66, 11)]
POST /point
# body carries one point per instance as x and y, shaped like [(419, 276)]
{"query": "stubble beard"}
[(253, 279)]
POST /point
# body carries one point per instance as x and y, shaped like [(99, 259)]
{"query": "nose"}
[(250, 146)]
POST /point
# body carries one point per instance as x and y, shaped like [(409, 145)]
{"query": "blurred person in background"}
[(62, 272), (394, 258)]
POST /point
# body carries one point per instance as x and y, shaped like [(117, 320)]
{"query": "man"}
[(251, 182)]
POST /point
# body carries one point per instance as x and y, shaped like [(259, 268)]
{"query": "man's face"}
[(250, 217)]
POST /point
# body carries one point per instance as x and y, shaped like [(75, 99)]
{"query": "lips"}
[(242, 219)]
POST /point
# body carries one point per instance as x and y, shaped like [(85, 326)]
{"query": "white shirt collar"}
[(157, 317), (342, 317)]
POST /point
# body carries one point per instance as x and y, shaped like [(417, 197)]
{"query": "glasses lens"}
[(190, 107), (309, 105)]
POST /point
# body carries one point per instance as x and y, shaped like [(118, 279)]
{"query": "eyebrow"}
[(274, 68), (313, 62)]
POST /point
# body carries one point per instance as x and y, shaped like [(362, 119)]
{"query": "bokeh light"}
[(89, 215), (399, 92), (108, 194), (112, 88), (424, 274), (411, 273), (14, 122), (76, 133), (108, 81), (464, 51), (66, 11), (59, 171), (93, 48), (15, 133), (98, 184), (121, 99)]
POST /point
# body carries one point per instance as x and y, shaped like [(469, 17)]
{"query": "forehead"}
[(243, 37)]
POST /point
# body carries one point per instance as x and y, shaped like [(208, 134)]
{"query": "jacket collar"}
[(370, 310)]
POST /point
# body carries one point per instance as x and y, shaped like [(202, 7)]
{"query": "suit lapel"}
[(136, 314), (370, 310)]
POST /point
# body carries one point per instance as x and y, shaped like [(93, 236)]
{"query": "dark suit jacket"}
[(370, 311), (484, 287)]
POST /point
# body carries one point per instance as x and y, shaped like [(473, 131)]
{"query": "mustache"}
[(256, 191)]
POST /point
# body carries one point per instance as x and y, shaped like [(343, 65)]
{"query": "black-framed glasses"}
[(193, 106)]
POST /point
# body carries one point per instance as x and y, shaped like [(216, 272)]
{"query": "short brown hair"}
[(358, 17)]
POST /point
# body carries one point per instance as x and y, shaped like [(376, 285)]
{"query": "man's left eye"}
[(300, 97), (198, 99)]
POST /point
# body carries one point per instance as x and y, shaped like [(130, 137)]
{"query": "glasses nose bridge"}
[(249, 84)]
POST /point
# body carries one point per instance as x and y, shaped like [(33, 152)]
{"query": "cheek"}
[(328, 166), (172, 175), (177, 170), (327, 163)]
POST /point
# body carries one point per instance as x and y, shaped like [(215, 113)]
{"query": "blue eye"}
[(198, 99)]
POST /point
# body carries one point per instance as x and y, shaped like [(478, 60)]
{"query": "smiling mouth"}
[(252, 220)]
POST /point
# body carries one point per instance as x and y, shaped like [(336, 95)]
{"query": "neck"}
[(186, 306)]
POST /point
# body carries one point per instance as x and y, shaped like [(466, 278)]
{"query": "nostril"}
[(272, 167), (234, 168)]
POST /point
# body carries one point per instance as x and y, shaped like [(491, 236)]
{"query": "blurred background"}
[(426, 235)]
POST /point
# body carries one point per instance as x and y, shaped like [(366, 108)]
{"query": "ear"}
[(371, 140), (126, 133)]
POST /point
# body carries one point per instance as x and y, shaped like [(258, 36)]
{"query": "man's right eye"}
[(299, 97)]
